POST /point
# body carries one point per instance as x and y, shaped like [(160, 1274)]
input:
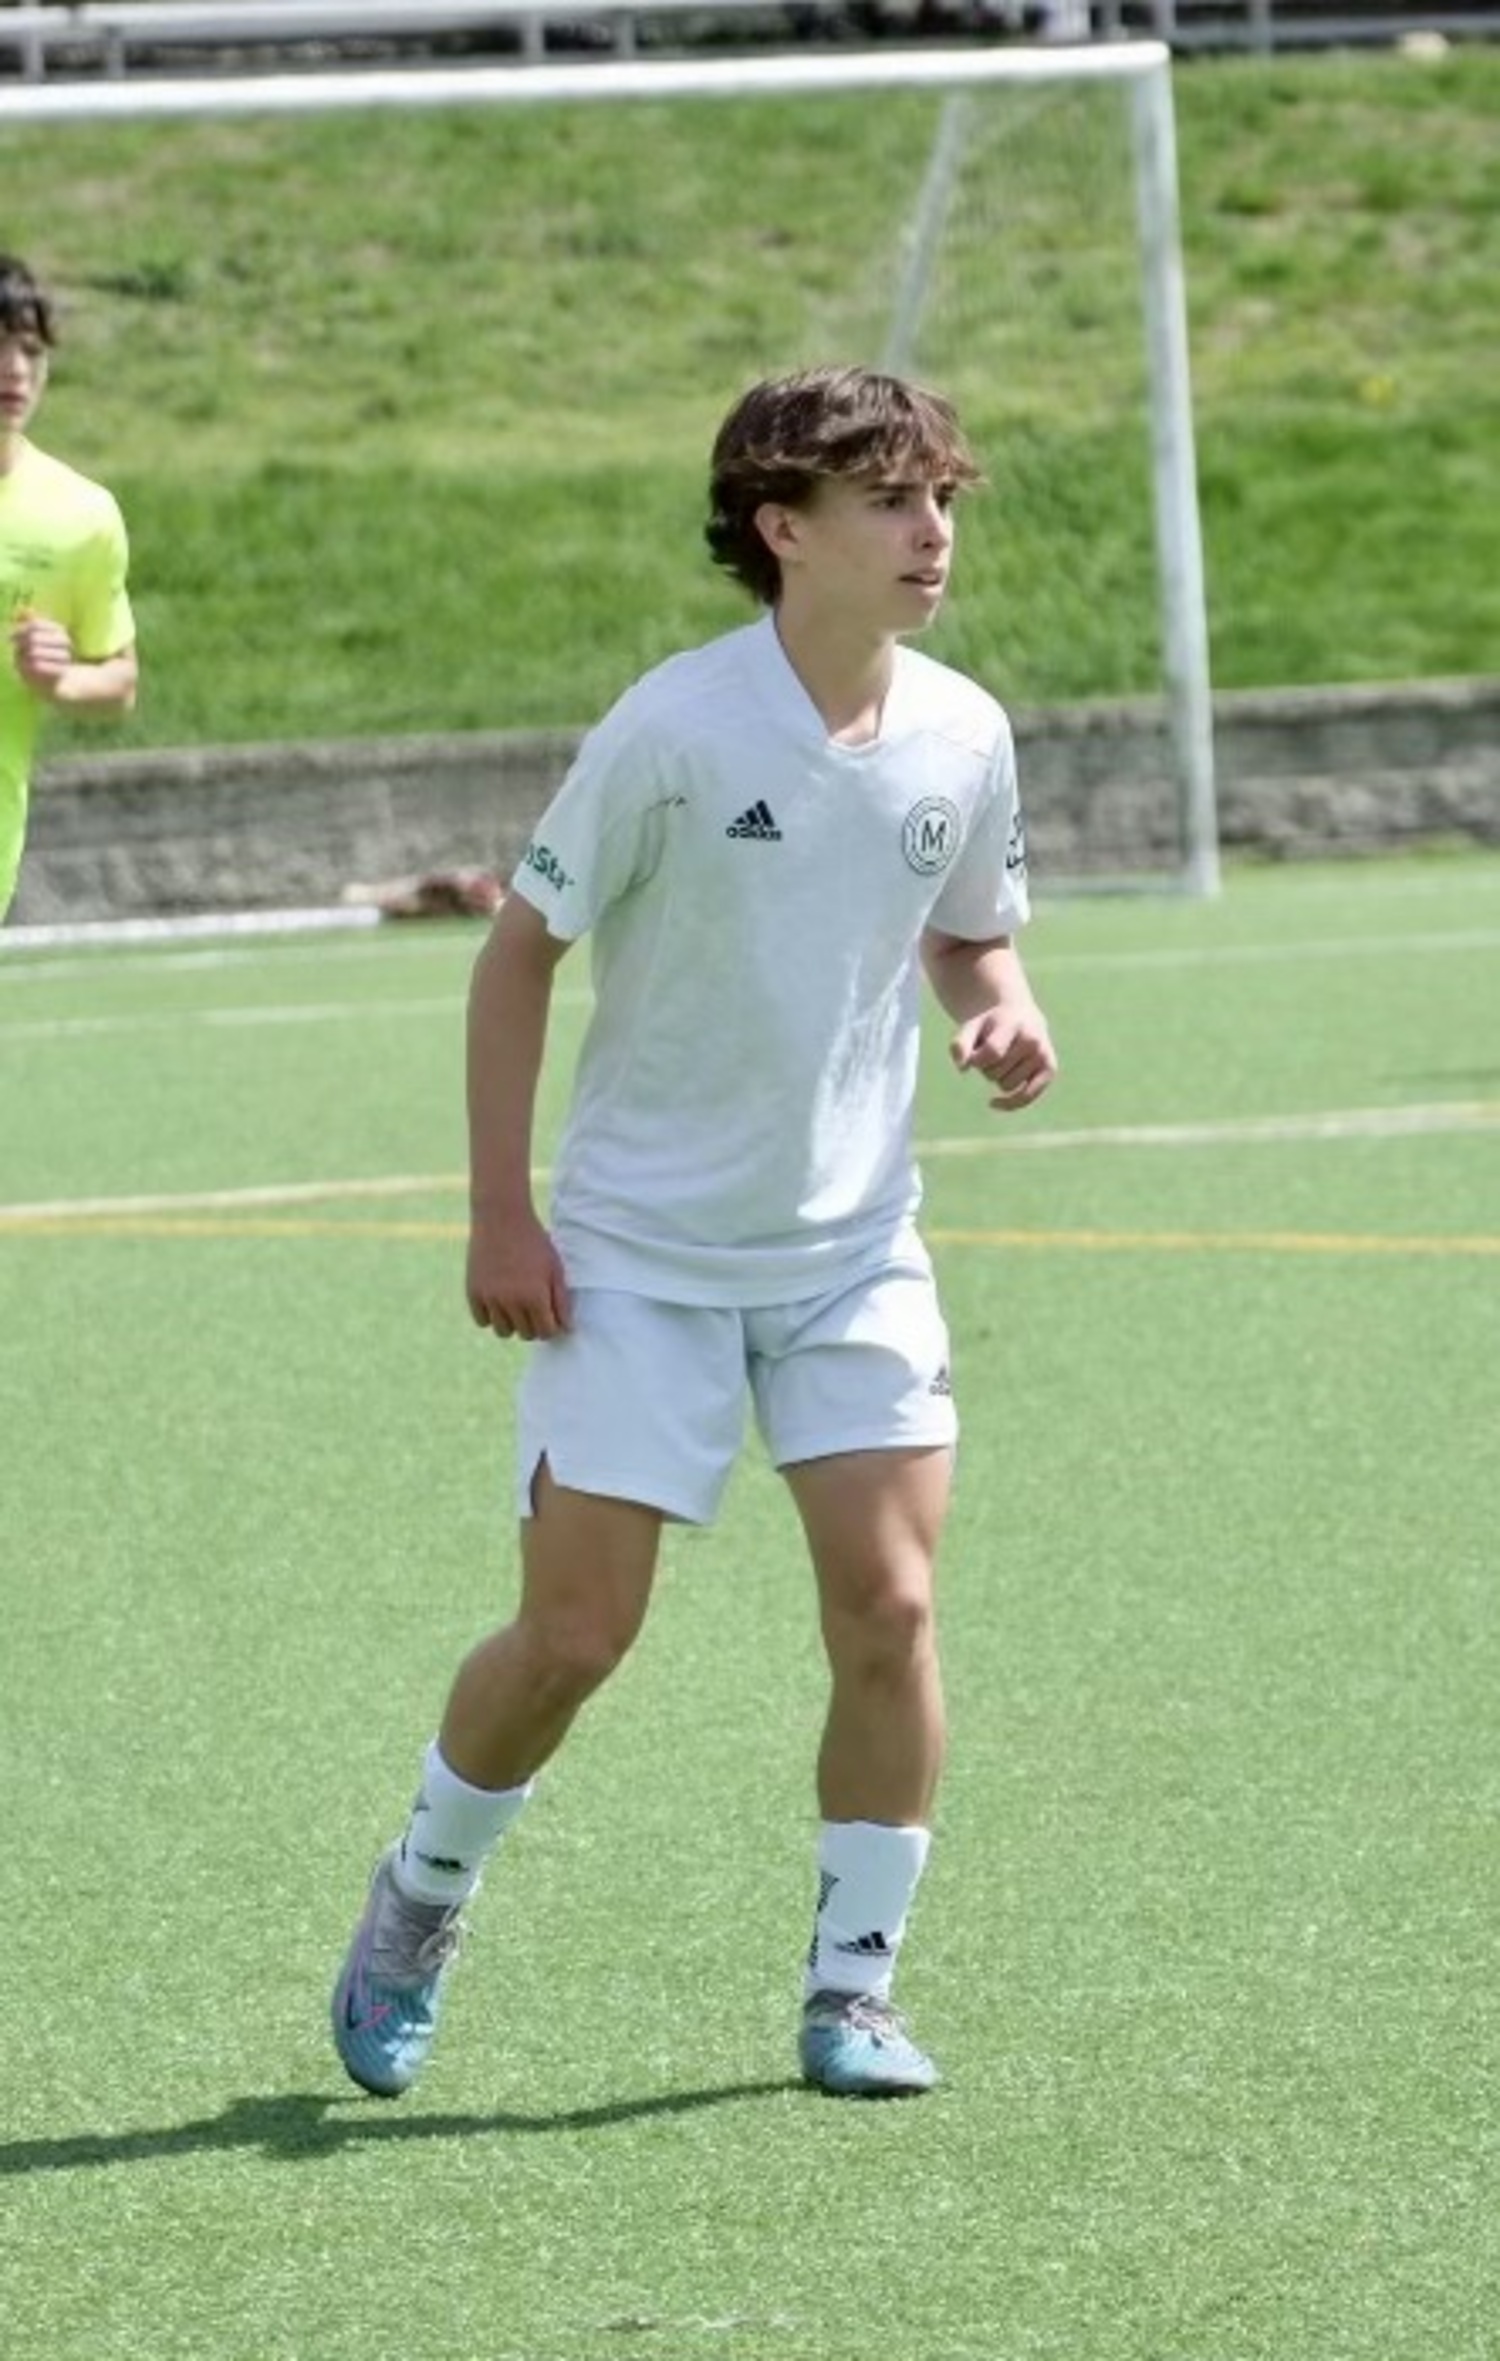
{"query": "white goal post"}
[(1140, 69)]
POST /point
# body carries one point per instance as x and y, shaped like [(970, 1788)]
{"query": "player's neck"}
[(846, 673), (11, 447)]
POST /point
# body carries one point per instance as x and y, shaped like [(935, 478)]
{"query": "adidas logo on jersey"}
[(758, 822)]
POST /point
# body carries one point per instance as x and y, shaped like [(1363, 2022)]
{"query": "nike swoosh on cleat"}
[(361, 2021)]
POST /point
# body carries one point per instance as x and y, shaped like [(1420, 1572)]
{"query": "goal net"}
[(1037, 285), (645, 238)]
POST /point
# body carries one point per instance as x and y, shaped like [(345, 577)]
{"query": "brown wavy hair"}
[(787, 435), (25, 307)]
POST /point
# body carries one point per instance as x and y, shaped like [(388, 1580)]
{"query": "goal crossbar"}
[(1143, 67), (509, 85)]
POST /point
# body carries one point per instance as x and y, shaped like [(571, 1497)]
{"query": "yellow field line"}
[(302, 1226), (1359, 1123)]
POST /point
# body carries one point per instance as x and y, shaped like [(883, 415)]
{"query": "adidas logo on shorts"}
[(758, 822)]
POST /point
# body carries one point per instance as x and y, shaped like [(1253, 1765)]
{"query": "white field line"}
[(1159, 955), (274, 1193), (203, 958), (1444, 1115), (250, 1016), (1215, 1242), (106, 934), (1041, 954), (1363, 1123), (237, 941), (310, 1012), (1401, 881)]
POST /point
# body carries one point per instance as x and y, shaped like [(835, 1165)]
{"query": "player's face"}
[(877, 547), (23, 378)]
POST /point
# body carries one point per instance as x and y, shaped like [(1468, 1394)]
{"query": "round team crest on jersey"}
[(929, 835)]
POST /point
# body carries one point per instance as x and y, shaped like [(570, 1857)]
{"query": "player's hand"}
[(1011, 1048), (515, 1280), (43, 652)]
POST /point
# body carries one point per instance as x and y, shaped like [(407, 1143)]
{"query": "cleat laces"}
[(864, 2010), (410, 1941)]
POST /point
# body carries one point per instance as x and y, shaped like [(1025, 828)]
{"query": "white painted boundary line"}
[(1353, 1123), (1158, 955), (1361, 1123), (165, 933), (106, 933), (291, 951), (247, 1016), (431, 1184), (310, 1012), (24, 949)]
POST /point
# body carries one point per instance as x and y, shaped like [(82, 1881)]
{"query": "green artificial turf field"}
[(1207, 1949)]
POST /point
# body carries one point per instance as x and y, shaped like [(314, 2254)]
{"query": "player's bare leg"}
[(873, 1520), (587, 1570)]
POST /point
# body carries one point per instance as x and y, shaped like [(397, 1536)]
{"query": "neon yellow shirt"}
[(63, 554)]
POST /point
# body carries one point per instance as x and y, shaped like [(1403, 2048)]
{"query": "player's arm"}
[(1002, 1033), (46, 660), (516, 1284)]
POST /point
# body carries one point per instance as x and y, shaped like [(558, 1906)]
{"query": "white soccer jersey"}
[(741, 1123)]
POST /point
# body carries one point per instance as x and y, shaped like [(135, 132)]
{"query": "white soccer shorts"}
[(646, 1401)]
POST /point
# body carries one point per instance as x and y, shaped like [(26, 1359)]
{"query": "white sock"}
[(867, 1875), (452, 1831)]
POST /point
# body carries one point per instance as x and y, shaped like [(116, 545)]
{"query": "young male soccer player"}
[(767, 838), (67, 636)]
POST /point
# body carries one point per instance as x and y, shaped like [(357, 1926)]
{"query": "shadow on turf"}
[(300, 2126)]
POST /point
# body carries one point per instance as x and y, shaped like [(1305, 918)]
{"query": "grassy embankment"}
[(408, 413)]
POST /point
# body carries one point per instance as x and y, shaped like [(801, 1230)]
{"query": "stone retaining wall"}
[(1301, 773)]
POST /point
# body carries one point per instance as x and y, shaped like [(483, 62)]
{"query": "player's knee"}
[(884, 1628), (574, 1651)]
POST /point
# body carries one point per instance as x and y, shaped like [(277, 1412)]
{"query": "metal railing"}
[(113, 34), (110, 36)]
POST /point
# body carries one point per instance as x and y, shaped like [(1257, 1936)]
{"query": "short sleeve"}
[(601, 835), (986, 892), (101, 620)]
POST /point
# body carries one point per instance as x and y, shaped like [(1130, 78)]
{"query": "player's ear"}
[(780, 528)]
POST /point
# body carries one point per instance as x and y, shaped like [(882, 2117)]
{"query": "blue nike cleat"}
[(854, 2045), (385, 2003)]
